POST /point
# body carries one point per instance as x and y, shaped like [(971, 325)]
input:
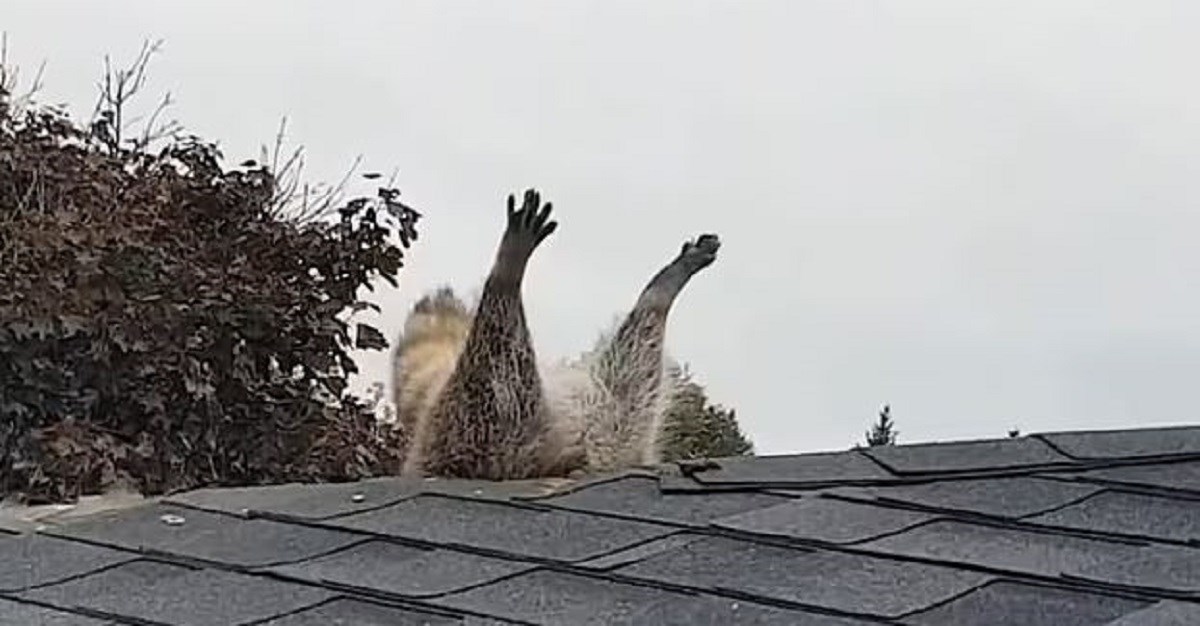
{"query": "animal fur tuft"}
[(584, 411), (425, 356)]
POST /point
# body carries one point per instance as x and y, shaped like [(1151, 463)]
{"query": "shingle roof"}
[(1061, 529)]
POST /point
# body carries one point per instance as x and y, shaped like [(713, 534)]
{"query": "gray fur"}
[(494, 417)]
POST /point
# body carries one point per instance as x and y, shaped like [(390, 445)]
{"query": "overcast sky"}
[(983, 213)]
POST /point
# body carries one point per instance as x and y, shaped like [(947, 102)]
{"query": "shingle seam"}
[(1102, 534), (1043, 471), (251, 513), (408, 604), (1150, 490), (466, 548), (1009, 524), (133, 556), (911, 478), (1041, 583), (1136, 459), (307, 607), (1132, 487), (175, 558), (1019, 523), (629, 517), (1045, 440), (86, 612), (865, 453), (906, 479), (1187, 596), (952, 599), (965, 514), (721, 592), (377, 596), (587, 484), (388, 595), (1085, 584)]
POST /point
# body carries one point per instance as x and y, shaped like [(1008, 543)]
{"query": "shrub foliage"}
[(695, 429), (166, 321)]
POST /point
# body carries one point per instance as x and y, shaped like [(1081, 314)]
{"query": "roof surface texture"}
[(1061, 529)]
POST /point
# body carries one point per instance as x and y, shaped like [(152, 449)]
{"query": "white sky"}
[(980, 212)]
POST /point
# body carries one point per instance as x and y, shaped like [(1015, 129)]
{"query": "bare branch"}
[(9, 81), (116, 89)]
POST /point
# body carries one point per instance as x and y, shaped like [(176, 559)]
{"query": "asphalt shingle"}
[(824, 519), (1005, 603), (639, 552), (967, 456), (843, 582), (1130, 514), (21, 614), (1181, 476), (530, 532), (1008, 549), (826, 468), (301, 501), (829, 538), (1155, 568), (1125, 444), (345, 611), (323, 501), (386, 567), (207, 536), (1166, 613), (33, 560), (545, 597), (180, 595), (640, 497), (1009, 497)]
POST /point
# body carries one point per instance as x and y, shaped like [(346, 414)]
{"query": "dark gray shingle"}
[(824, 519), (545, 597), (1183, 476), (1130, 514), (640, 497), (702, 610), (179, 595), (1005, 603), (358, 613), (1154, 567), (825, 468), (560, 535), (475, 551), (21, 614), (1165, 613), (1004, 548), (967, 456), (33, 560), (833, 580), (317, 501), (208, 536), (639, 552), (299, 500), (389, 568), (1123, 444), (1009, 497)]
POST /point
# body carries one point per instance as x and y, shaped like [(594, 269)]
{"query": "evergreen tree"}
[(883, 432), (694, 429)]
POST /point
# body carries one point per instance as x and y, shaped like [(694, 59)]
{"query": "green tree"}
[(883, 432), (169, 321), (694, 429)]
